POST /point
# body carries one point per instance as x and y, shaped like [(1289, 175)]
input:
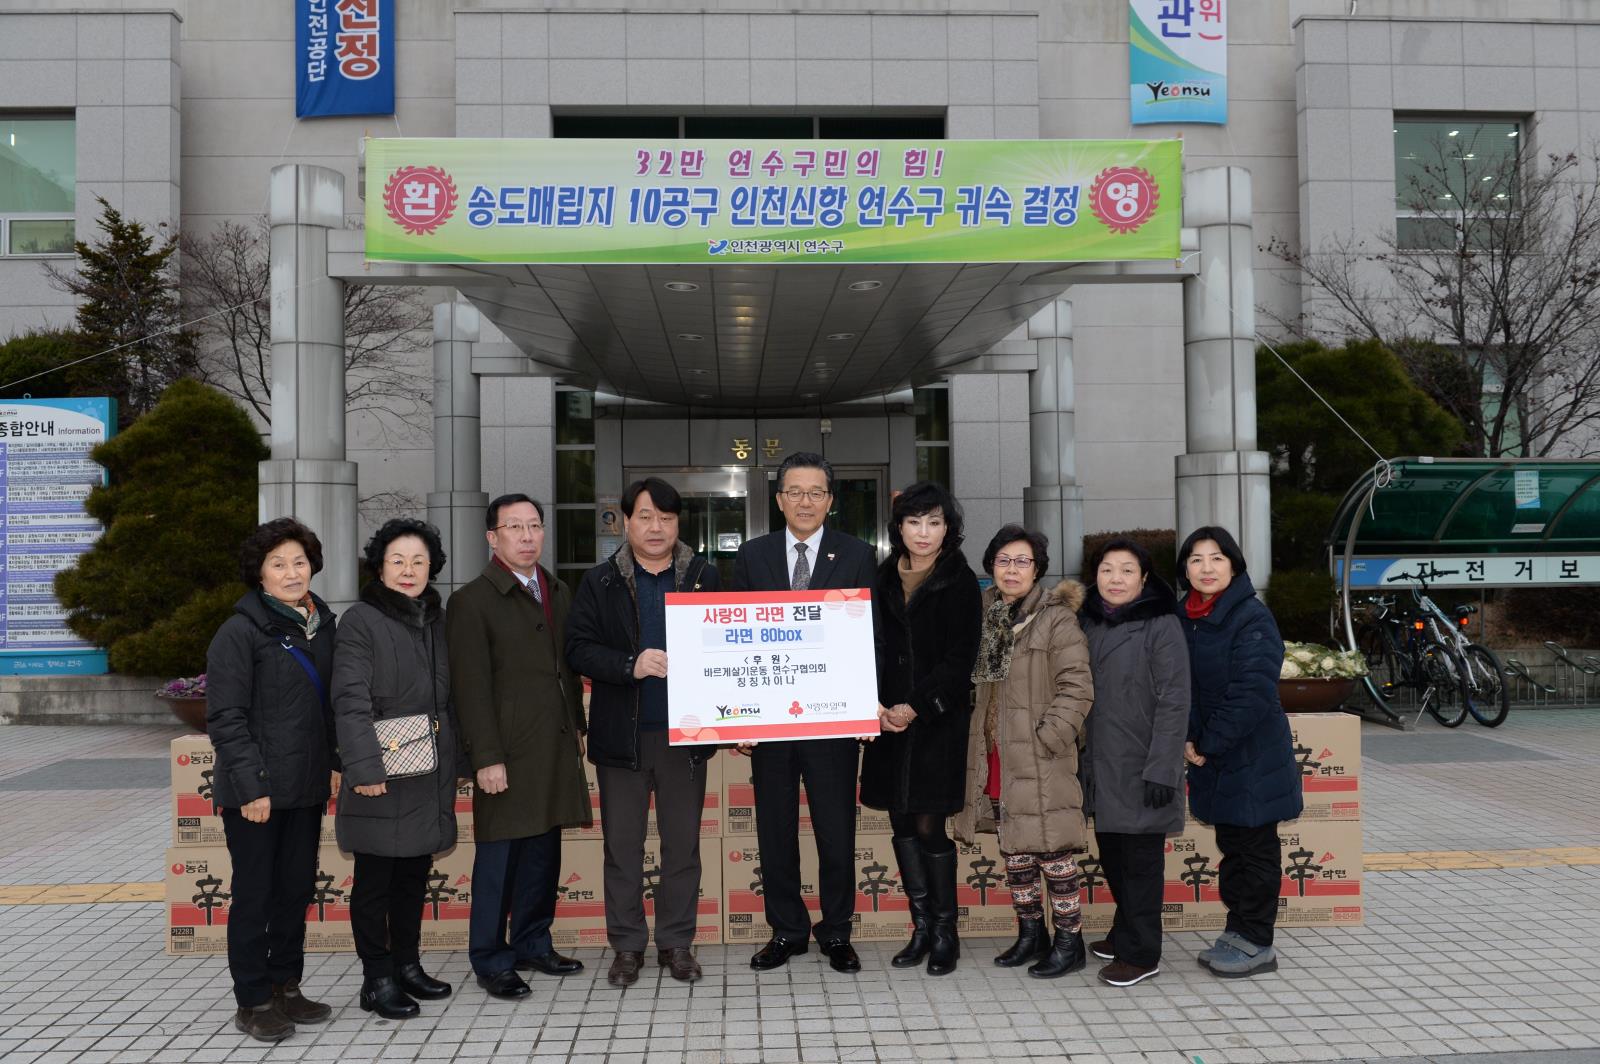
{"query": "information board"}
[(45, 475), (756, 665)]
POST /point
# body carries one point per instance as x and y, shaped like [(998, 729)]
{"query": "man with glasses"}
[(806, 556), (521, 714)]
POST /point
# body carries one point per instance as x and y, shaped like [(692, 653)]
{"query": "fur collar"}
[(1003, 623), (1156, 600), (947, 568), (416, 612), (683, 556)]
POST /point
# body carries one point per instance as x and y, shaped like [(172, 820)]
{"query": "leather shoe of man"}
[(776, 953), (842, 956), (551, 963), (411, 978), (506, 985), (680, 963), (625, 968), (264, 1023), (297, 1007)]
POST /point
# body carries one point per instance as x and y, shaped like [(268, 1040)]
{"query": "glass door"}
[(716, 517)]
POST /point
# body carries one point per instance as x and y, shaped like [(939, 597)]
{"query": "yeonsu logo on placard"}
[(419, 198), (734, 712)]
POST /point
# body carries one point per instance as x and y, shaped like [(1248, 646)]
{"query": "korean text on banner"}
[(1178, 61), (748, 666), (644, 200), (344, 57)]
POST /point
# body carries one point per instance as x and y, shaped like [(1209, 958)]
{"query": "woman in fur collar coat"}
[(926, 625), (1034, 691), (1133, 766)]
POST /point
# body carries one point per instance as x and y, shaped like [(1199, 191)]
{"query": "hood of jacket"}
[(683, 556), (1156, 600), (416, 612), (1239, 591)]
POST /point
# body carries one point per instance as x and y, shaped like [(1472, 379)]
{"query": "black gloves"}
[(1158, 795)]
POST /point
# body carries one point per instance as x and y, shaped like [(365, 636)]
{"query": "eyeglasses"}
[(814, 495), (519, 529), (1003, 562)]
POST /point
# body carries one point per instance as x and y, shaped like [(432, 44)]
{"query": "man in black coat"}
[(617, 636), (805, 556)]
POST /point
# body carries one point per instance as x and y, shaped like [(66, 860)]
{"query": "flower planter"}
[(189, 709), (1315, 694)]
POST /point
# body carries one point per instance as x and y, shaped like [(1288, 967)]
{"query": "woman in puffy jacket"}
[(1243, 778)]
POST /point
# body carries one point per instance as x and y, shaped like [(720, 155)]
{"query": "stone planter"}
[(190, 710), (1315, 695)]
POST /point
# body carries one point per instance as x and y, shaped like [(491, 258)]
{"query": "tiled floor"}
[(1451, 960)]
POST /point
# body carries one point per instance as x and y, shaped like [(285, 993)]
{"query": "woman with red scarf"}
[(1243, 778)]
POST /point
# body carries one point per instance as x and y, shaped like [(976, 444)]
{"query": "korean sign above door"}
[(647, 201), (1178, 61), (344, 57)]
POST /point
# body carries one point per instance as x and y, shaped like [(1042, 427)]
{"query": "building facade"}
[(1109, 396)]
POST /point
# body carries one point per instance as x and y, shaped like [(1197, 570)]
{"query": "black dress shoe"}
[(382, 995), (506, 985), (551, 963), (418, 983), (842, 956), (776, 953)]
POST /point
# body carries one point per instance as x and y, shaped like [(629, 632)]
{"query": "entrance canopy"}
[(766, 274), (1472, 523)]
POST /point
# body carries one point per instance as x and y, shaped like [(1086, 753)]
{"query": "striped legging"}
[(1060, 874)]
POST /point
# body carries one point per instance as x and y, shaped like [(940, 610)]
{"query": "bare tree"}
[(1489, 292), (225, 282)]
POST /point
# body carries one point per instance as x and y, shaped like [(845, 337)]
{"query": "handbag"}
[(410, 744)]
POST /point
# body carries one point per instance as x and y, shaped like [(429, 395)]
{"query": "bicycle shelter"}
[(1466, 523)]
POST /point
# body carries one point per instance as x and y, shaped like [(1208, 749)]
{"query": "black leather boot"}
[(383, 995), (946, 944), (410, 977), (1031, 945), (914, 881), (1066, 955)]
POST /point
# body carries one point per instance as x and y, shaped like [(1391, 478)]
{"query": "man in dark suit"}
[(805, 556)]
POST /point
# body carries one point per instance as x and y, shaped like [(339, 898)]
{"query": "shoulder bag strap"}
[(309, 666)]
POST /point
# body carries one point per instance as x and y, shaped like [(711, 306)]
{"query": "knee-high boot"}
[(914, 881), (946, 946)]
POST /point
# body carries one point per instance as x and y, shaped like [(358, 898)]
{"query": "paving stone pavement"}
[(1465, 965)]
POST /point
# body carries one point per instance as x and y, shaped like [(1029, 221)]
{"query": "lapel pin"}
[(830, 557)]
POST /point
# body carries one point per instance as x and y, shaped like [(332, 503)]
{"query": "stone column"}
[(457, 502), (1222, 477), (307, 476), (1053, 502)]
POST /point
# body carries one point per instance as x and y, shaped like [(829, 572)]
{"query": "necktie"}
[(533, 588), (802, 571)]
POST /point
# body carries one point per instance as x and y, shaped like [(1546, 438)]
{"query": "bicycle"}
[(1488, 694), (1401, 652)]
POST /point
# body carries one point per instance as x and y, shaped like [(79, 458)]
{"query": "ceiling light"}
[(1471, 155), (1455, 133), (1512, 133), (681, 286), (808, 395), (1489, 177), (702, 395), (1499, 195), (699, 372), (841, 336), (690, 336), (865, 286)]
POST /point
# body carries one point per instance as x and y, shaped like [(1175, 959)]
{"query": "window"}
[(931, 406), (753, 124), (38, 183), (575, 501), (1450, 173)]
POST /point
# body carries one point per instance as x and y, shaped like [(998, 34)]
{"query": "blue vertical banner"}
[(46, 473), (344, 57), (1178, 61)]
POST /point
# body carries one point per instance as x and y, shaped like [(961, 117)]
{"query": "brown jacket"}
[(518, 703), (1039, 713)]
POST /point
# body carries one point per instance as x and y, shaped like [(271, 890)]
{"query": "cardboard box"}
[(197, 821), (199, 892), (580, 920), (710, 815), (1328, 748), (742, 892), (739, 804), (1322, 873)]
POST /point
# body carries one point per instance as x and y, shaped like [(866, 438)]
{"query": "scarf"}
[(307, 621), (1002, 621), (1197, 609)]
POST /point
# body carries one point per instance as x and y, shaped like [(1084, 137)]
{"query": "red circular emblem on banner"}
[(419, 198), (1124, 197)]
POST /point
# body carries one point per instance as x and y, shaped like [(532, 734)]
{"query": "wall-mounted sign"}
[(45, 476), (741, 447), (1178, 61), (1525, 485), (1486, 570), (344, 57), (642, 201)]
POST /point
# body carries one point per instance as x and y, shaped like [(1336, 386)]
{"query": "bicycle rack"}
[(1525, 680), (1573, 670)]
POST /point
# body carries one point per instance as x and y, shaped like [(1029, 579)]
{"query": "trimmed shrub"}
[(1162, 543), (181, 498), (1301, 600), (47, 353)]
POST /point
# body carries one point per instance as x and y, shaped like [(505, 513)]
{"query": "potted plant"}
[(1315, 678), (186, 697)]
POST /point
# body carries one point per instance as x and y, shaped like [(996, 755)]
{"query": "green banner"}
[(638, 201)]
